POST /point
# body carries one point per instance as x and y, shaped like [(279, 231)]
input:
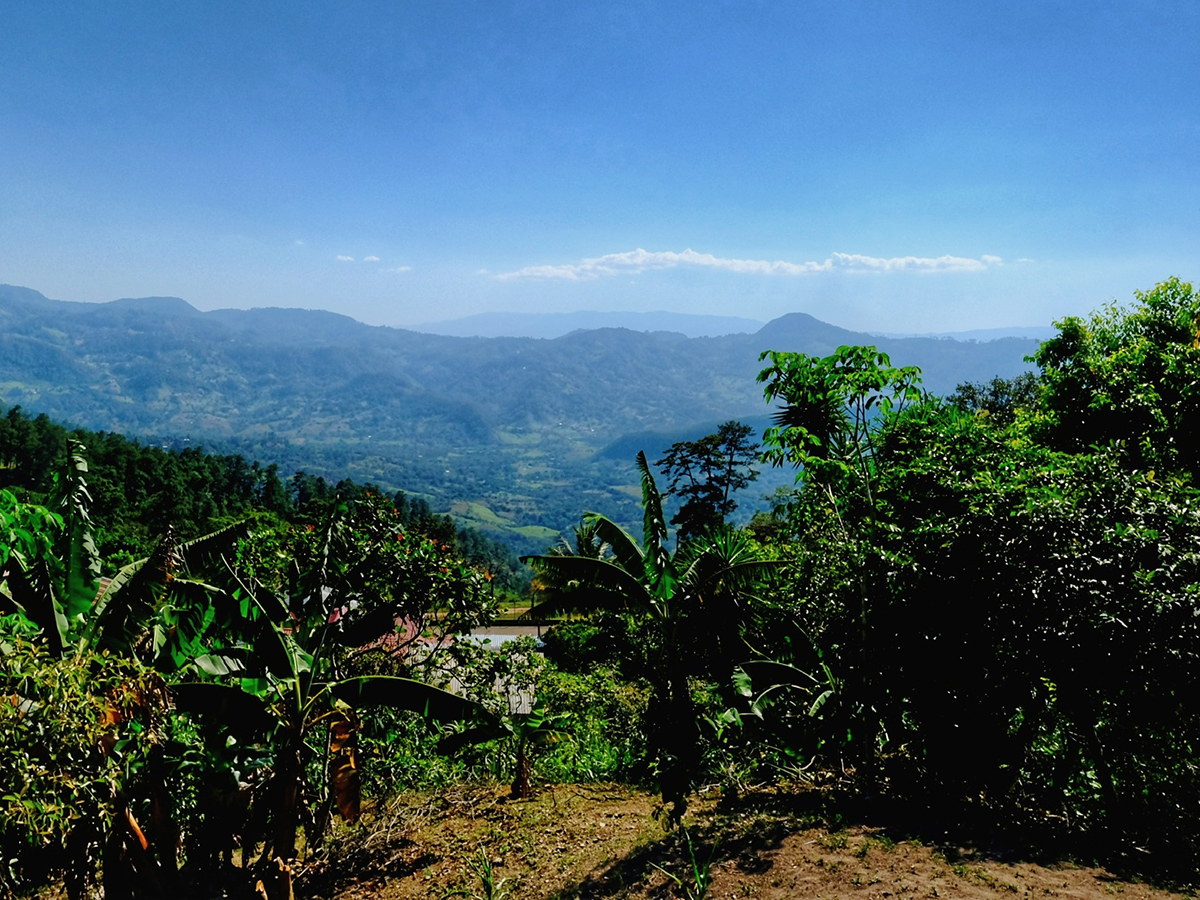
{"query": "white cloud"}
[(858, 262), (633, 262), (370, 259), (345, 258), (397, 270), (298, 243)]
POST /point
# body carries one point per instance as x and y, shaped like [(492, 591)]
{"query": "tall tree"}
[(835, 411), (706, 473), (1129, 375)]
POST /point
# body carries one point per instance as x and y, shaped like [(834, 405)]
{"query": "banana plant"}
[(524, 732), (49, 575), (301, 605), (49, 567), (695, 603)]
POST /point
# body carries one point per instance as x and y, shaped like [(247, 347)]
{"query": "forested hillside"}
[(138, 493), (507, 434), (971, 612)]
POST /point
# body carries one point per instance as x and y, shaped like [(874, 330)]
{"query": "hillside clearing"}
[(602, 842)]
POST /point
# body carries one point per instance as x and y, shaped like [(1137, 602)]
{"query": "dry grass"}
[(603, 843)]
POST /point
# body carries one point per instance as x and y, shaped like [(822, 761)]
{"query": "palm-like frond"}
[(579, 582), (204, 550), (625, 549), (821, 417), (660, 569), (719, 548), (725, 560), (587, 541), (709, 577)]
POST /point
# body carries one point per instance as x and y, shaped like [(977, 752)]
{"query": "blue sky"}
[(893, 166)]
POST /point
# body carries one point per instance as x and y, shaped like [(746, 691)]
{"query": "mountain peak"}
[(171, 306), (801, 328)]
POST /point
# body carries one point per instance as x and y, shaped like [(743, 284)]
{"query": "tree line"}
[(980, 604), (139, 490)]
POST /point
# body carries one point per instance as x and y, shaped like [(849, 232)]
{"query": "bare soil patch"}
[(603, 843)]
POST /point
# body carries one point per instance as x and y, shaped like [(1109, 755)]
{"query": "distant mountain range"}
[(553, 325), (514, 435), (1036, 332)]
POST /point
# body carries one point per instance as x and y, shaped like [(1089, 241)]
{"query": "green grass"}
[(527, 439), (478, 512), (539, 532), (836, 840)]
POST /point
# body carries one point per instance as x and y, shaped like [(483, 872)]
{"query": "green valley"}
[(530, 430)]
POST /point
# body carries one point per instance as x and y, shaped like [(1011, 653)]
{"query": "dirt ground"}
[(603, 843)]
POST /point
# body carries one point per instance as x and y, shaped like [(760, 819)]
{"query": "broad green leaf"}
[(480, 734), (406, 693), (220, 664)]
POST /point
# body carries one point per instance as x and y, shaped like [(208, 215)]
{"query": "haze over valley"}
[(516, 436)]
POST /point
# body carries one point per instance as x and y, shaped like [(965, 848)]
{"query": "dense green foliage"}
[(989, 602), (990, 597), (1128, 377), (997, 596), (138, 491), (70, 730), (251, 639), (1067, 678)]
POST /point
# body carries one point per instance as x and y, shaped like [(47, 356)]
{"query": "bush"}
[(399, 753), (576, 646), (75, 734), (608, 741), (611, 640)]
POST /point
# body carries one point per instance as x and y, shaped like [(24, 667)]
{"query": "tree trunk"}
[(522, 786), (79, 859), (286, 812)]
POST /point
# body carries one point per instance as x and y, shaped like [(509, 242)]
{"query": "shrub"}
[(75, 736)]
